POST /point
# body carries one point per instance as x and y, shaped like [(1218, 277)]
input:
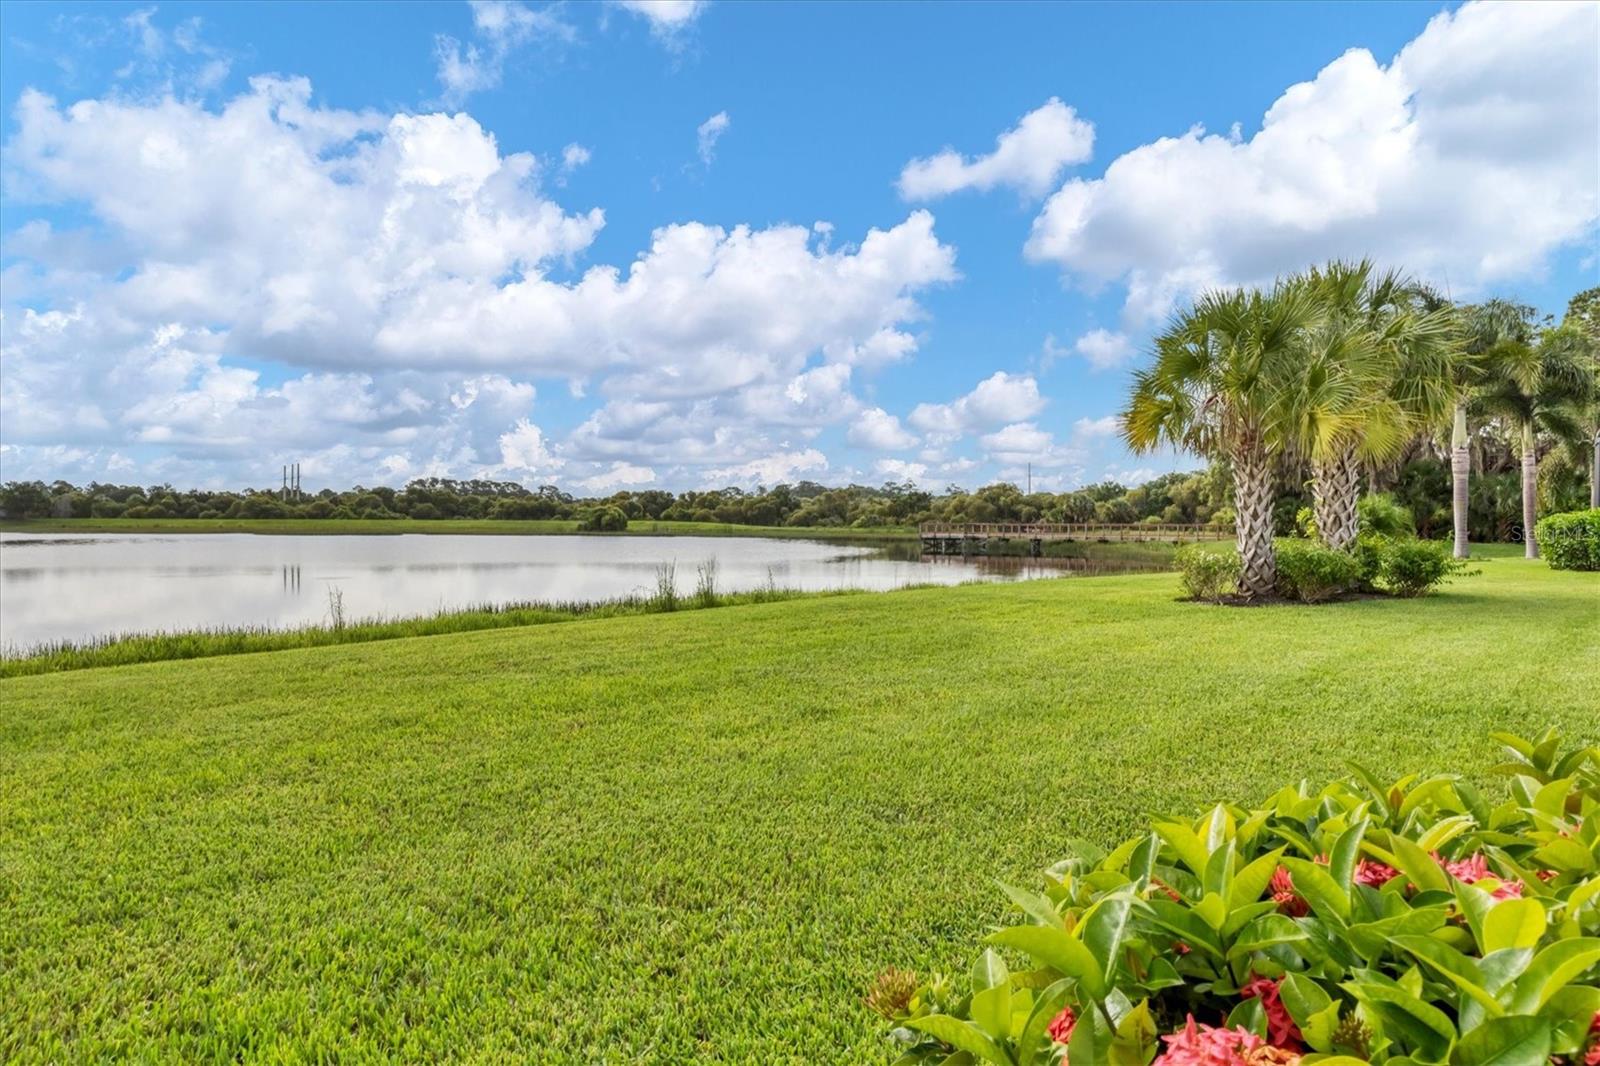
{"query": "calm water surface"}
[(71, 586)]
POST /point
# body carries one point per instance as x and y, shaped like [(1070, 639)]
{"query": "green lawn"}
[(370, 526), (677, 838)]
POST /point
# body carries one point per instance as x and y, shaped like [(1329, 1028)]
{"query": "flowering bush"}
[(1401, 924)]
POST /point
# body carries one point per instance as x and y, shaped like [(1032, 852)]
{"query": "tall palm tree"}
[(1210, 392), (1583, 313), (1479, 328), (1539, 386), (1375, 371)]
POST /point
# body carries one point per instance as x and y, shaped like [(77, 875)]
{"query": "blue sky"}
[(681, 245)]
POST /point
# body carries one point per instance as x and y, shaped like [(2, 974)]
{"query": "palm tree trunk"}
[(1336, 490), (1594, 474), (1530, 491), (1252, 498), (1460, 469)]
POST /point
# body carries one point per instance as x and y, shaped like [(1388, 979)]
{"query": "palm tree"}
[(1375, 371), (1210, 392), (1537, 386), (1583, 313), (1480, 328)]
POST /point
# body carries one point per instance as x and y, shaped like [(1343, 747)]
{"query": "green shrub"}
[(603, 520), (1412, 567), (1207, 574), (1367, 922), (1381, 514), (1312, 572), (1305, 523), (1570, 541), (1368, 552)]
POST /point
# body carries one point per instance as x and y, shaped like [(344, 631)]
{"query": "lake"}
[(74, 586)]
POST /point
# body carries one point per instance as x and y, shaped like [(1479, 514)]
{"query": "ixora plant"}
[(1410, 924)]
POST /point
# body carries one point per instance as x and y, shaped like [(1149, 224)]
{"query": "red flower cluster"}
[(1374, 874), (1593, 1057), (1060, 1028), (1209, 1045), (1281, 1029), (1288, 900), (1472, 870)]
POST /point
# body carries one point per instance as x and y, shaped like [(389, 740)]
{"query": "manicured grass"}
[(497, 527), (684, 837)]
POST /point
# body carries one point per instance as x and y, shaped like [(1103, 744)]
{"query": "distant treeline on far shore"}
[(1420, 484)]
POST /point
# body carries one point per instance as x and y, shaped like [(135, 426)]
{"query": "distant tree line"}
[(1419, 481)]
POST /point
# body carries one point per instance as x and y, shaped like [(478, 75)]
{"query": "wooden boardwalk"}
[(940, 538)]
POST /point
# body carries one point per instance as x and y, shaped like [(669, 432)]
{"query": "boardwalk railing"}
[(944, 536)]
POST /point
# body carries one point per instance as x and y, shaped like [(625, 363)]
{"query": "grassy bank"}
[(690, 837), (483, 526), (129, 648)]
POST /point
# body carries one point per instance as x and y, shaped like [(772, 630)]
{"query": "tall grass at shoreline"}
[(124, 649)]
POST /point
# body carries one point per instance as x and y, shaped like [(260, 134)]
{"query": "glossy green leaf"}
[(1103, 929), (1319, 889), (1091, 1039), (1513, 923), (1458, 969), (1267, 931), (1035, 905), (1034, 1040), (1552, 968), (1250, 882), (1515, 1041), (1055, 948), (961, 1035), (1345, 852), (1420, 1026), (1418, 865), (1188, 846), (1303, 997)]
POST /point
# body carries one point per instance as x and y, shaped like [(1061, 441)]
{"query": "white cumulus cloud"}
[(1029, 158), (1104, 349), (1470, 157), (668, 19), (999, 398), (880, 431), (407, 264)]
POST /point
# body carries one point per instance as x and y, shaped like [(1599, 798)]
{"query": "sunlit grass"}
[(684, 837)]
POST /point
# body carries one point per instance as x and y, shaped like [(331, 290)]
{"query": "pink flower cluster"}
[(1060, 1028), (1288, 900), (1472, 870), (1374, 874), (1209, 1045), (1281, 1029)]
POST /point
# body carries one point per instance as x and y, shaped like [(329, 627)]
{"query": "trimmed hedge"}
[(1570, 541)]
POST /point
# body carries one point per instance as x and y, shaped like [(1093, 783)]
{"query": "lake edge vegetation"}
[(127, 649)]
